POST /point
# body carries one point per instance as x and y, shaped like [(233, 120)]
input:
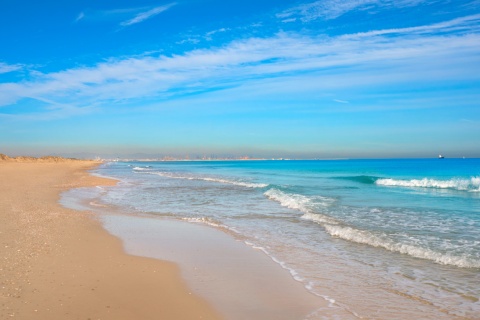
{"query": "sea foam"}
[(142, 168), (172, 175), (292, 201), (382, 241), (310, 208), (471, 185), (297, 201)]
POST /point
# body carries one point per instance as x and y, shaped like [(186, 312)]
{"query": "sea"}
[(383, 239)]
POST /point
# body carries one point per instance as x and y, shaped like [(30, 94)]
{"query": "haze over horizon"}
[(304, 79)]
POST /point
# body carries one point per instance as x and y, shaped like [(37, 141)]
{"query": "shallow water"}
[(382, 238)]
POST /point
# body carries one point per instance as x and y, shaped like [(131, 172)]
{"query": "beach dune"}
[(58, 263)]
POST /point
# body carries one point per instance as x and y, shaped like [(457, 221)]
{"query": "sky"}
[(265, 78)]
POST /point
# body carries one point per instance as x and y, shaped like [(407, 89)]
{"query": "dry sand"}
[(58, 263)]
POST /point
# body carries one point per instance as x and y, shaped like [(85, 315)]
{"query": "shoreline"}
[(358, 279), (60, 263), (238, 280)]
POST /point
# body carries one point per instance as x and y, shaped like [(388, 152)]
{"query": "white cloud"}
[(329, 9), (5, 68), (284, 63), (127, 16), (474, 4), (80, 16), (332, 9), (209, 34), (289, 20), (189, 40), (142, 16), (467, 23)]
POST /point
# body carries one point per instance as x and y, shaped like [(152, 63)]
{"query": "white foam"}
[(237, 183), (292, 201), (365, 237), (295, 275), (297, 201), (309, 285), (203, 220), (211, 223), (210, 179), (319, 218), (141, 168), (472, 184)]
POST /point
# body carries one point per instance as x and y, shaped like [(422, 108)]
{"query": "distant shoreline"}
[(280, 159), (4, 157), (99, 159)]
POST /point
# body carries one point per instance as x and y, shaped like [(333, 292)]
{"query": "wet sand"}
[(241, 282), (58, 263)]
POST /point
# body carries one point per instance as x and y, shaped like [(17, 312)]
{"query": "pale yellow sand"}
[(57, 263)]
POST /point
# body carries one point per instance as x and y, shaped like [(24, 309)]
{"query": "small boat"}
[(441, 157)]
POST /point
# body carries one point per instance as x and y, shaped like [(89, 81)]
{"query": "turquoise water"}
[(371, 235)]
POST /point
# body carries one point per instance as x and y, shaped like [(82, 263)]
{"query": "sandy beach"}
[(58, 263)]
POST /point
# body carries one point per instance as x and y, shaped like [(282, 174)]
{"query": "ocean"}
[(383, 239)]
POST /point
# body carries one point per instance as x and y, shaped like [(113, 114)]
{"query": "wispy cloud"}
[(142, 16), (329, 9), (5, 68), (286, 62), (126, 16), (80, 16), (209, 34), (332, 9), (470, 24), (190, 39), (473, 4)]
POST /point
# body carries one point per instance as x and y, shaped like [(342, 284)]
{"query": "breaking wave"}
[(292, 201), (297, 201), (245, 184), (382, 241), (311, 207), (471, 185), (142, 168), (237, 183)]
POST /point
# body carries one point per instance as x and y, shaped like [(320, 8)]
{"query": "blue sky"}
[(326, 78)]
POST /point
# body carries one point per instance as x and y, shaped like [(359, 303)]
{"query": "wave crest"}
[(471, 185), (141, 168), (365, 237), (309, 206), (297, 201), (209, 179), (292, 201)]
